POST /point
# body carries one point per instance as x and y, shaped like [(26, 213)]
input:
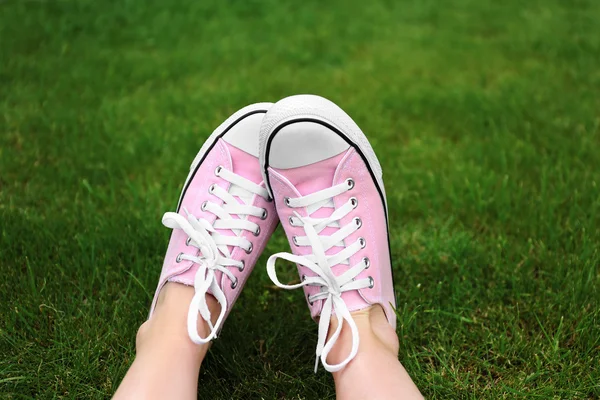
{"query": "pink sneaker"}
[(223, 220), (328, 189)]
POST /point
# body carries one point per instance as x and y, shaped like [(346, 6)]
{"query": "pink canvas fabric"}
[(243, 164), (301, 181)]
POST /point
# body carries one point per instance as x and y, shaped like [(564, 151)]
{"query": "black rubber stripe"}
[(211, 147), (355, 146)]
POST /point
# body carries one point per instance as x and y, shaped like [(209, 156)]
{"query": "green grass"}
[(484, 114)]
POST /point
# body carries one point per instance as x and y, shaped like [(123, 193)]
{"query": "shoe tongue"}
[(244, 164), (313, 177), (247, 166)]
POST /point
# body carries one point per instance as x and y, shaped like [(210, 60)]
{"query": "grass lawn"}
[(485, 116)]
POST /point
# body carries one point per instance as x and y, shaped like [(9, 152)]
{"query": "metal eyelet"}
[(178, 258), (187, 241), (234, 283), (354, 202), (367, 262), (243, 266), (218, 170), (269, 199), (309, 300), (362, 241), (350, 183), (371, 282), (257, 231), (286, 200), (303, 277), (203, 205), (249, 250), (358, 222), (264, 214), (295, 240), (291, 220), (211, 189)]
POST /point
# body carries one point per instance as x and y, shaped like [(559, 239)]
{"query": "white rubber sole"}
[(317, 109), (217, 134)]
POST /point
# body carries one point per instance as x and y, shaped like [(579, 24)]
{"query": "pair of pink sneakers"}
[(302, 161)]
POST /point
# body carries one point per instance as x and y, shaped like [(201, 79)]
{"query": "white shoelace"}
[(214, 253), (320, 263)]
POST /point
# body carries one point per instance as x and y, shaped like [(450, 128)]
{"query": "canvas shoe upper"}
[(223, 220), (327, 185)]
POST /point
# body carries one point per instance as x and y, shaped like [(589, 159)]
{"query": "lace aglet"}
[(316, 364)]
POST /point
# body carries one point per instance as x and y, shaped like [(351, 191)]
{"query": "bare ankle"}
[(168, 324), (141, 336), (375, 333), (382, 330), (373, 325)]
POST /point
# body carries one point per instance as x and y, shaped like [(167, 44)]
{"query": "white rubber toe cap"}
[(244, 134), (304, 143)]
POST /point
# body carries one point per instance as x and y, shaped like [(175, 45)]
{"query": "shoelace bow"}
[(214, 254), (321, 265)]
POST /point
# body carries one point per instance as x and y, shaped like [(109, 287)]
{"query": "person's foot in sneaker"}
[(327, 185), (223, 221)]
